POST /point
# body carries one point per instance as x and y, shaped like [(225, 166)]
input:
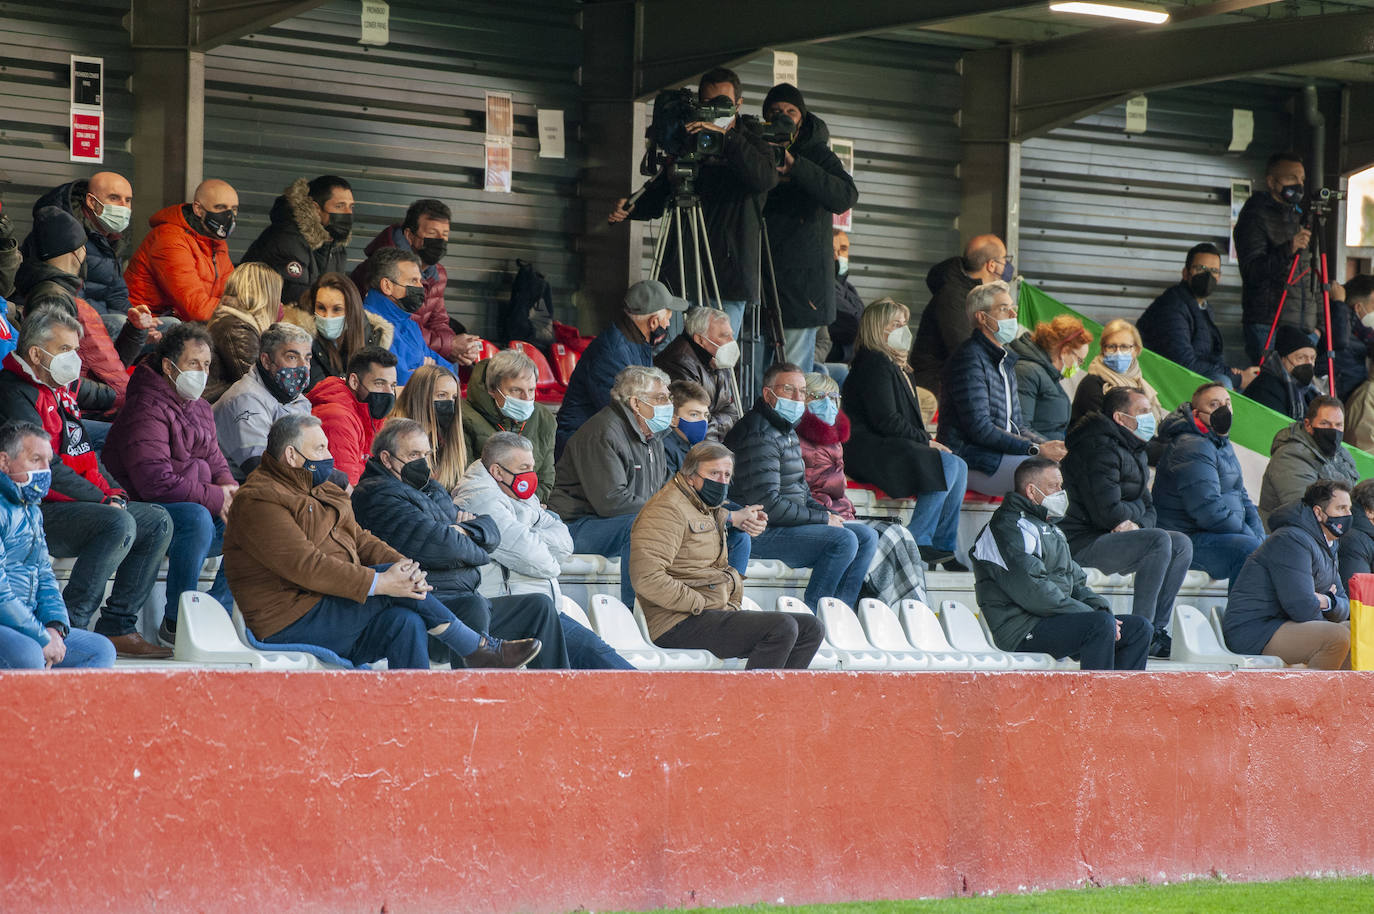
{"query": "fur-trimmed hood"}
[(375, 324), (296, 207)]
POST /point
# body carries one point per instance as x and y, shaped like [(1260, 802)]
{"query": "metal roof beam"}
[(201, 25)]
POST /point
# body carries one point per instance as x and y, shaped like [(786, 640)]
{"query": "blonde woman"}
[(251, 303), (430, 397), (888, 444), (1116, 365)]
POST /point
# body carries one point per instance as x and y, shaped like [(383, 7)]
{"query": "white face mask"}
[(1057, 504), (115, 217), (727, 355), (65, 367), (1368, 320), (724, 122), (191, 384), (842, 265), (900, 339)]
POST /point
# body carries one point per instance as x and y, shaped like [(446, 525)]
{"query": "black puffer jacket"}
[(769, 469), (944, 323), (888, 444), (801, 230), (1356, 554), (684, 360), (849, 307), (1264, 230), (104, 287), (419, 524), (1108, 480), (1275, 388), (296, 245)]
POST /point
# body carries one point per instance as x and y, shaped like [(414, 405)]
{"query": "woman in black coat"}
[(888, 444)]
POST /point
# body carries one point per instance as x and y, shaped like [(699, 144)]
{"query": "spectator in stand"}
[(1352, 330), (1111, 523), (396, 291), (431, 399), (704, 353), (399, 501), (1359, 417), (889, 446), (424, 232), (630, 340), (980, 409), (946, 323), (691, 412), (812, 187), (10, 258), (534, 541), (1033, 594), (304, 572), (849, 306), (1304, 452), (1268, 233), (183, 263), (1284, 383), (1117, 365), (1199, 489), (1178, 324), (1289, 601), (308, 237), (163, 449), (251, 304), (690, 593), (500, 398), (1044, 357), (332, 313), (87, 516), (103, 206), (352, 410), (801, 532), (35, 632), (270, 390), (1356, 555)]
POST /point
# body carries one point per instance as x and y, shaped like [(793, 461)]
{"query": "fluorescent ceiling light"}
[(1133, 12)]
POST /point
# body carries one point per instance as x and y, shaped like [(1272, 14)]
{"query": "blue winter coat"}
[(104, 289), (29, 596), (1178, 328), (1199, 487), (419, 524), (980, 409), (1280, 582), (589, 389), (408, 342)]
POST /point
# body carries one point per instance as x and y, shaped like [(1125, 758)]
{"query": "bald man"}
[(103, 205), (945, 323), (183, 263)]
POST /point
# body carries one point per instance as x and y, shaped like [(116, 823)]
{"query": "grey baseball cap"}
[(650, 295)]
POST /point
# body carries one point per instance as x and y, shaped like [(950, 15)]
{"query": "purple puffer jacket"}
[(163, 449)]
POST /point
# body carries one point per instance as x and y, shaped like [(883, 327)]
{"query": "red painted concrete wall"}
[(436, 792)]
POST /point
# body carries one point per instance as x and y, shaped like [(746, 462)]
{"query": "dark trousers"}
[(524, 616), (1158, 558), (770, 641), (1090, 638)]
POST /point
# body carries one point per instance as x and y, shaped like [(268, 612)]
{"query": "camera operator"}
[(732, 187), (1268, 233), (812, 186)]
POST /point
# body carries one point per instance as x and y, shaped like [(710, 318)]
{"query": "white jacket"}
[(534, 540), (243, 416)]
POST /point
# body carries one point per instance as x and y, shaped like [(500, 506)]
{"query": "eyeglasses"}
[(657, 399), (787, 390), (812, 398), (1119, 348)]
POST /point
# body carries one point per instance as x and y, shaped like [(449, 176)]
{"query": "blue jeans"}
[(838, 371), (1222, 554), (799, 346), (97, 432), (935, 519), (838, 557), (586, 651), (610, 536), (85, 650), (196, 535)]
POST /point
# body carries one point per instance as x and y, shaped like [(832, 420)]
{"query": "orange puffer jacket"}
[(177, 270)]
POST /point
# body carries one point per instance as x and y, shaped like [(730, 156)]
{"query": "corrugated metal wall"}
[(1107, 216), (406, 121), (897, 101), (36, 44)]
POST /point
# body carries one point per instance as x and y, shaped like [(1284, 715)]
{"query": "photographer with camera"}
[(731, 185), (812, 186)]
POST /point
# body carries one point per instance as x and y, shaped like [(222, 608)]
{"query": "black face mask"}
[(416, 473), (658, 335), (219, 225), (1202, 284), (445, 411), (1292, 194), (712, 492), (1337, 524), (339, 226), (379, 404), (1328, 440), (432, 251), (1302, 374), (413, 298), (1221, 420)]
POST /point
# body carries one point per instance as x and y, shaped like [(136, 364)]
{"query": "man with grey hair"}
[(704, 353), (274, 387), (86, 514), (980, 411), (397, 292), (500, 398)]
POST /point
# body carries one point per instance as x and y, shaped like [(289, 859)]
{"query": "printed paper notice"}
[(1135, 114), (88, 136), (500, 130), (1242, 129), (498, 168), (784, 67), (844, 151), (376, 23), (1240, 192), (550, 133), (500, 119)]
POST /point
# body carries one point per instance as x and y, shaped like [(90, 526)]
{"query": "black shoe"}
[(953, 564), (167, 633), (1162, 646), (933, 556), (510, 655)]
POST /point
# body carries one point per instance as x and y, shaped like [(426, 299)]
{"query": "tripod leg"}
[(1273, 327), (681, 263), (660, 246), (1330, 353)]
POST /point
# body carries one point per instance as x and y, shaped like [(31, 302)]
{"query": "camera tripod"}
[(1316, 223)]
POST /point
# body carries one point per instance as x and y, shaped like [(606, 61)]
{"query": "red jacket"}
[(823, 454), (432, 316), (99, 358), (347, 424), (178, 270)]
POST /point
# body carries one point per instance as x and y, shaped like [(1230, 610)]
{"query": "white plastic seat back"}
[(568, 607), (617, 627), (884, 632), (1214, 616), (206, 634), (1195, 642), (846, 636), (748, 605), (966, 633), (827, 658), (923, 631)]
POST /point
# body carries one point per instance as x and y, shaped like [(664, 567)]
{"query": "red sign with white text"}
[(88, 136)]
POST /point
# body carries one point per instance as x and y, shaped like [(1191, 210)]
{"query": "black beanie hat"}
[(1290, 339), (784, 92), (56, 232)]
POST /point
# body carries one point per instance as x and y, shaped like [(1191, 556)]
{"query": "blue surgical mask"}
[(824, 409), (1145, 426), (1007, 329), (35, 488), (519, 410), (320, 470), (1008, 270), (331, 328), (1118, 363), (790, 410), (661, 419), (694, 432)]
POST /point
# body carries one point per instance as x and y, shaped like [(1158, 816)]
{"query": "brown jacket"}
[(678, 562), (287, 546)]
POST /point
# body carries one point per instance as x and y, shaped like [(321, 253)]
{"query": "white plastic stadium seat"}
[(966, 634), (885, 633), (1195, 642), (568, 607), (923, 630), (205, 634), (846, 636), (827, 658), (617, 627), (1214, 616)]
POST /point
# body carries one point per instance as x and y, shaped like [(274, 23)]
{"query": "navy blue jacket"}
[(1353, 344), (589, 389), (1281, 580), (1357, 548), (104, 288), (979, 403), (1199, 487), (418, 523), (769, 469), (1178, 328)]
